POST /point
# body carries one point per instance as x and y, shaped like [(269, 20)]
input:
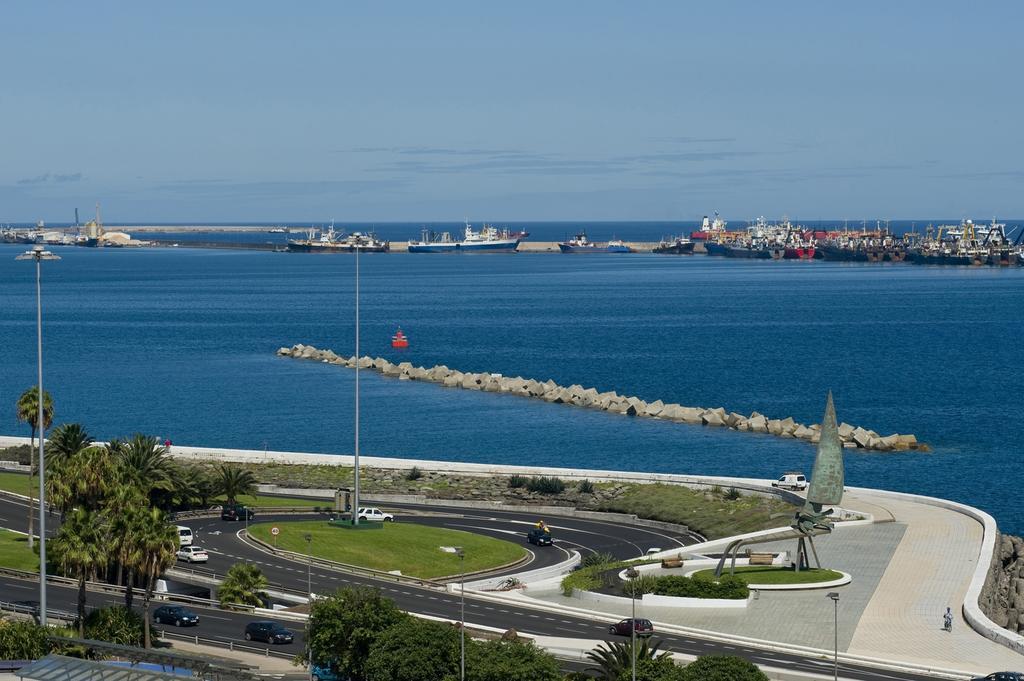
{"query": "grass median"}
[(15, 554), (774, 574), (413, 549)]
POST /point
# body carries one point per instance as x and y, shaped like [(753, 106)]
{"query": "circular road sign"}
[(275, 531)]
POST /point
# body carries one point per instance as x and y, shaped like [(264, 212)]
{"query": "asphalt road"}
[(219, 537)]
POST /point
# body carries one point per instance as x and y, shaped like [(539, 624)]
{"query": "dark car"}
[(176, 615), (271, 632), (539, 537), (236, 513), (1001, 676), (627, 626)]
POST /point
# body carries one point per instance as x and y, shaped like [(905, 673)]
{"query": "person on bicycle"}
[(947, 620)]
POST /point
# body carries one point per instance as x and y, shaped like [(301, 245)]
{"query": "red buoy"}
[(399, 340)]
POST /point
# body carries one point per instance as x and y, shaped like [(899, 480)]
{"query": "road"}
[(626, 541)]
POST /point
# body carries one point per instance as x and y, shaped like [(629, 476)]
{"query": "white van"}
[(791, 480), (184, 535)]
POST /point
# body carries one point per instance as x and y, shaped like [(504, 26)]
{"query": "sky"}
[(415, 111)]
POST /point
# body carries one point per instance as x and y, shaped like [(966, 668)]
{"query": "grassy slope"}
[(14, 552), (413, 549), (703, 511), (771, 574), (17, 483)]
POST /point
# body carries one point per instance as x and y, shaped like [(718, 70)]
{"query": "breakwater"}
[(591, 398)]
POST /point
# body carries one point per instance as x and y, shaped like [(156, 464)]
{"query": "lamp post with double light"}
[(835, 659), (462, 612), (632, 574), (39, 254)]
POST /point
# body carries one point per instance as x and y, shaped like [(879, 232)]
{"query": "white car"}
[(193, 554), (791, 480), (375, 514)]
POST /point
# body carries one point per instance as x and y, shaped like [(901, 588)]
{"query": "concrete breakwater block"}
[(591, 398)]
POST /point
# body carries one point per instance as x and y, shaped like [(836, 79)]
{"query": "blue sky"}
[(246, 111)]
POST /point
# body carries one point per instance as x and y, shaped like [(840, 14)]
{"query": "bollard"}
[(231, 646), (267, 652), (197, 639)]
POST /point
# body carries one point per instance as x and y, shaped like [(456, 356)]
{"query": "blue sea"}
[(180, 343)]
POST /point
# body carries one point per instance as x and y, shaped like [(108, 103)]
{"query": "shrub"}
[(722, 668), (732, 494), (728, 586), (585, 487), (414, 473), (638, 586), (591, 575), (20, 453), (23, 641), (545, 485), (115, 624), (592, 559), (716, 490), (516, 481)]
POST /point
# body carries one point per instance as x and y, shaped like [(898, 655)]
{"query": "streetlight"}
[(457, 550), (834, 595), (632, 574), (355, 496), (309, 567), (38, 253)]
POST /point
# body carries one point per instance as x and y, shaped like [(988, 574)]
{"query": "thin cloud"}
[(270, 188), (38, 179), (51, 178)]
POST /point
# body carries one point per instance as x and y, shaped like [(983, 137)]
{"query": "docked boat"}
[(581, 244), (679, 245), (710, 229), (330, 241), (488, 240)]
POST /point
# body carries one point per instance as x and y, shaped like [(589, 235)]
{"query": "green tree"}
[(23, 641), (126, 507), (509, 661), (27, 411), (193, 486), (342, 627), (612, 659), (157, 542), (115, 624), (234, 481), (147, 462), (244, 584), (660, 668), (81, 480), (66, 440), (414, 650), (722, 668), (80, 549)]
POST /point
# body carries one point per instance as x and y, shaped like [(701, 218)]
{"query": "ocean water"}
[(180, 343)]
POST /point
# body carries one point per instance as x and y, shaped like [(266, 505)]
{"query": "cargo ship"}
[(581, 244), (710, 229), (338, 242), (679, 245), (487, 240)]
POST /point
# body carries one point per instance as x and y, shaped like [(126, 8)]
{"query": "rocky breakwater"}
[(1002, 597), (591, 398)]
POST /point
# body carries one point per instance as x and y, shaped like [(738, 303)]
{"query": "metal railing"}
[(229, 645)]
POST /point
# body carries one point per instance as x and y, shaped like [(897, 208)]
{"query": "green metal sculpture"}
[(826, 488)]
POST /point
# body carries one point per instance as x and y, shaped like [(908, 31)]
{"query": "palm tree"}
[(66, 440), (615, 659), (157, 542), (80, 548), (192, 486), (81, 480), (145, 460), (244, 584), (234, 481), (28, 412), (125, 506)]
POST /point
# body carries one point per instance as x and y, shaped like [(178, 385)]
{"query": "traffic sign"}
[(275, 531)]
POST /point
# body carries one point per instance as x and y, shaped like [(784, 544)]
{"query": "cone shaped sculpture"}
[(827, 477)]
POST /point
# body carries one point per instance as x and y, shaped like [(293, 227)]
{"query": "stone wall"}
[(591, 398), (1002, 598)]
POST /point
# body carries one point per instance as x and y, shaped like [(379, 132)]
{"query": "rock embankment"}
[(591, 398), (1002, 598)]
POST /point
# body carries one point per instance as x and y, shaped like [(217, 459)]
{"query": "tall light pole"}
[(835, 660), (462, 612), (632, 574), (309, 567), (39, 254), (355, 496)]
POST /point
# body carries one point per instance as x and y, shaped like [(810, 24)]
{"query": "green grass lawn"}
[(17, 482), (773, 574), (413, 549), (14, 552)]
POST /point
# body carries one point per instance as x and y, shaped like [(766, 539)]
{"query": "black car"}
[(539, 537), (625, 627), (238, 512), (271, 632), (1001, 676), (176, 615)]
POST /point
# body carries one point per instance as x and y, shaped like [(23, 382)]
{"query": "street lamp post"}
[(355, 496), (462, 612), (39, 254), (835, 660), (632, 574), (309, 567)]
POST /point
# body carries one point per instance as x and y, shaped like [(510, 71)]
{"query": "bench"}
[(668, 563), (761, 558)]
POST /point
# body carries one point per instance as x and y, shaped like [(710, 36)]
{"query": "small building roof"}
[(61, 668)]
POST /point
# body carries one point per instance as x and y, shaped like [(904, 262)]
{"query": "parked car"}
[(193, 554), (375, 514), (176, 615), (626, 627), (268, 631), (1001, 676), (236, 512), (325, 673), (539, 537), (791, 480), (185, 536)]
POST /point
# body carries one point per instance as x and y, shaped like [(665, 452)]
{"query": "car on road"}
[(795, 480), (236, 512), (627, 626), (268, 631), (176, 615), (1001, 676), (185, 535), (193, 554), (539, 537), (375, 515)]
